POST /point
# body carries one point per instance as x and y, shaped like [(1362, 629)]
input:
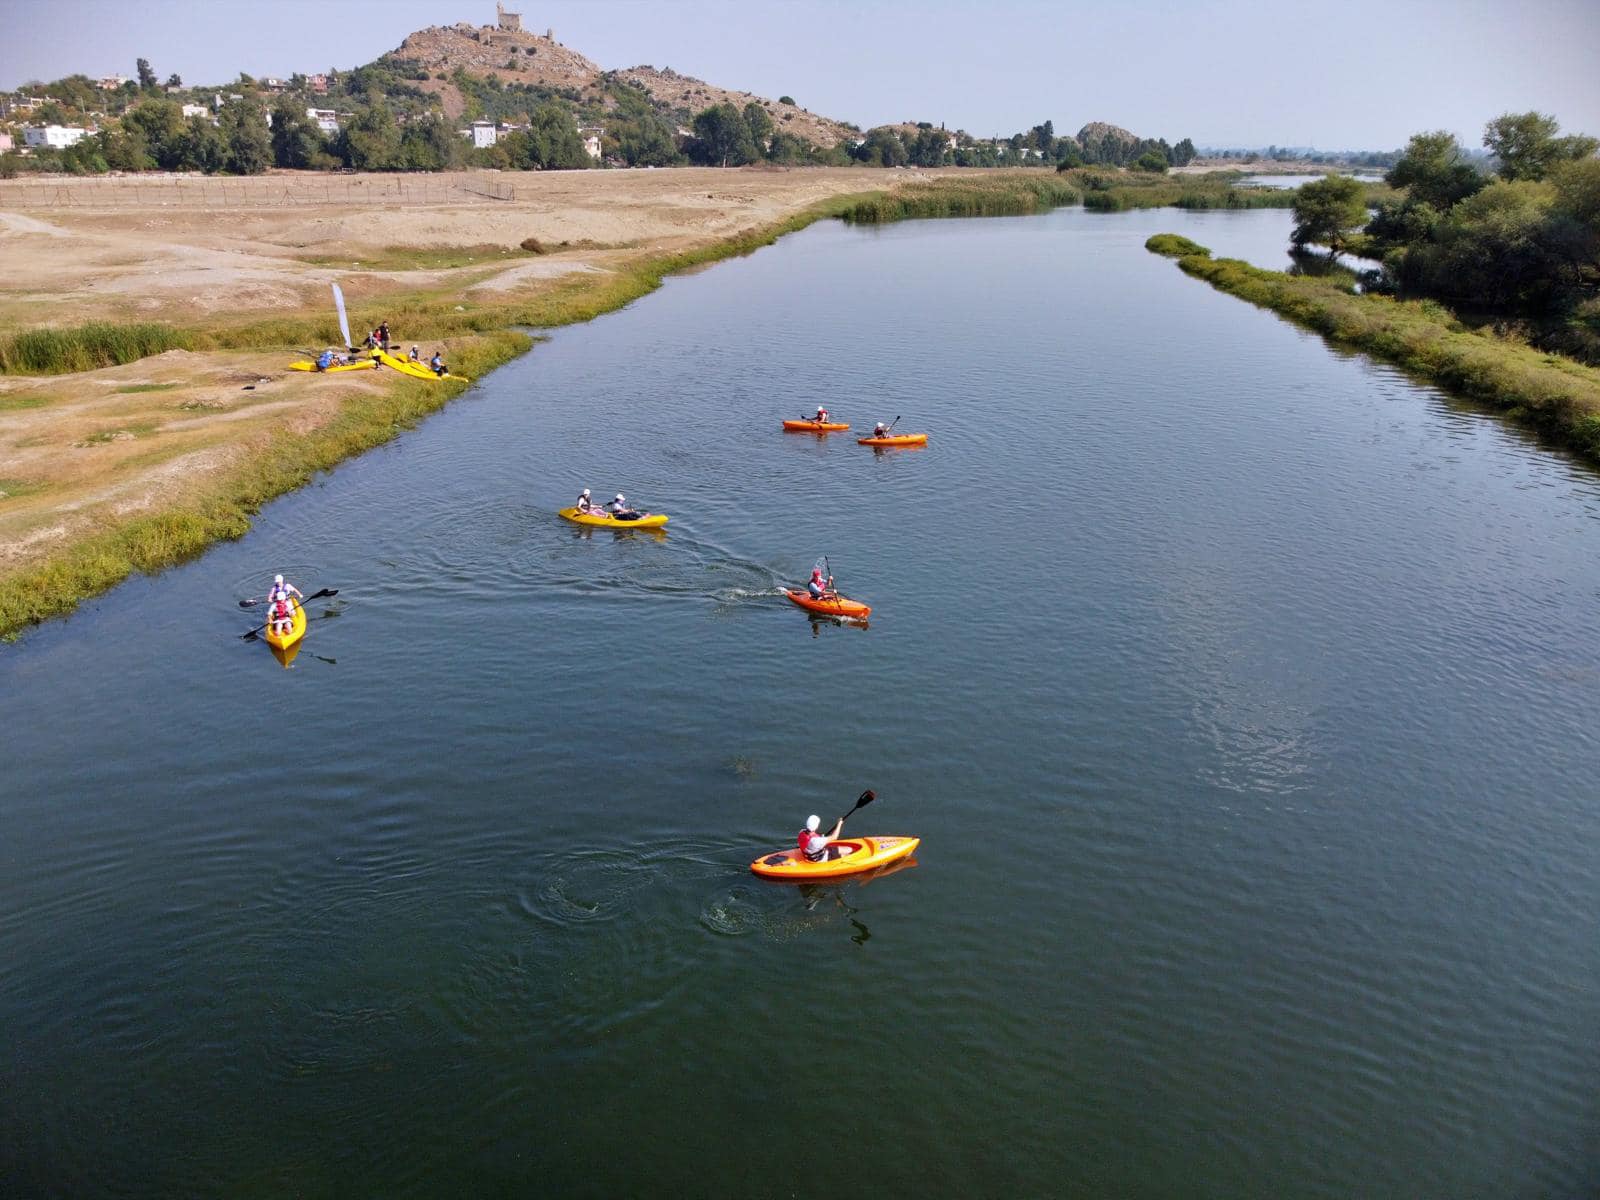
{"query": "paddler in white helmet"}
[(814, 845), (280, 612), (880, 430), (584, 504), (619, 510)]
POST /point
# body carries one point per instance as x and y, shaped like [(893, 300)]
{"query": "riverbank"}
[(197, 423), (1556, 396)]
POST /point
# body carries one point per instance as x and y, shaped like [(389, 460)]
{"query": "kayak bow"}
[(282, 641), (814, 426)]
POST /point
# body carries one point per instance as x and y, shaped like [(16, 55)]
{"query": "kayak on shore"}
[(605, 520), (366, 364), (416, 370), (847, 856), (815, 426), (829, 606)]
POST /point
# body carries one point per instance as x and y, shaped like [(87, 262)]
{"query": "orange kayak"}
[(864, 855), (899, 439), (814, 426), (833, 606)]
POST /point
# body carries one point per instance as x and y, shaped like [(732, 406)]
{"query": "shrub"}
[(533, 246)]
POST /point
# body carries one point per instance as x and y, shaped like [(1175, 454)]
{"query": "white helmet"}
[(585, 492), (278, 579), (813, 822), (621, 499)]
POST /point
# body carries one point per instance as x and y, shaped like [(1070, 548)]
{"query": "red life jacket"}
[(284, 612), (804, 840)]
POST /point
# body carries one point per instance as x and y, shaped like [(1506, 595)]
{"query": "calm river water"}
[(1242, 693)]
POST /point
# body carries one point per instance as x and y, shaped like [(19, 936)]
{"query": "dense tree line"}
[(1516, 233)]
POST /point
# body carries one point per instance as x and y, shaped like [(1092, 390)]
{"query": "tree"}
[(1151, 160), (1328, 211), (927, 148), (160, 131), (1183, 153), (723, 137), (1527, 147), (760, 126), (296, 139), (249, 142), (789, 100), (428, 144), (371, 140), (174, 80), (882, 148), (147, 77), (1434, 171), (202, 147)]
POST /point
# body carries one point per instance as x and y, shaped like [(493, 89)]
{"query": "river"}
[(1241, 691)]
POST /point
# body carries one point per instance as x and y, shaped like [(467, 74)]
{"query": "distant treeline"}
[(389, 123)]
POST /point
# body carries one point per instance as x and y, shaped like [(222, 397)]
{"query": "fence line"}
[(261, 192)]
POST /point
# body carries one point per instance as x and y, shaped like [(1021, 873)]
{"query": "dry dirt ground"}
[(78, 451)]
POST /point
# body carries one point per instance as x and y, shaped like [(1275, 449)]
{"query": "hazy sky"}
[(1359, 74)]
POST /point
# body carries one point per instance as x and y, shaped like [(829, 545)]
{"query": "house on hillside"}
[(326, 118), (196, 110), (57, 137), (591, 146), (273, 84), (318, 84), (483, 134), (19, 104), (6, 143), (111, 83)]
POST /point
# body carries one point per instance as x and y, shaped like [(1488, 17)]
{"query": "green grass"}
[(1175, 246), (416, 258), (86, 347), (1557, 396), (1005, 196), (11, 488), (147, 387), (17, 401)]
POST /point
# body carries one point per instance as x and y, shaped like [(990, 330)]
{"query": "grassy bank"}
[(1557, 396), (481, 340), (150, 542), (1008, 196)]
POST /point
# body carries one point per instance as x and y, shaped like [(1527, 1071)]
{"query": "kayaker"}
[(822, 415), (437, 364), (583, 505), (282, 616), (325, 360), (619, 510), (820, 588), (414, 356), (383, 335), (880, 430), (282, 591), (814, 845)]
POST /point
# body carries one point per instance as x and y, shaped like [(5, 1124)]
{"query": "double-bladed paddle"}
[(251, 603), (253, 634)]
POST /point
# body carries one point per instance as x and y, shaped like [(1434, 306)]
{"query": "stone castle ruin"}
[(508, 22)]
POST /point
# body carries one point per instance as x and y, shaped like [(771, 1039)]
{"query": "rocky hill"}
[(519, 57)]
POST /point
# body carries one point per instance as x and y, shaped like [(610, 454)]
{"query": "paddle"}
[(314, 596), (255, 633), (867, 797)]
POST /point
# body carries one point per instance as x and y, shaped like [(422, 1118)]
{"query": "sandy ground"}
[(78, 451)]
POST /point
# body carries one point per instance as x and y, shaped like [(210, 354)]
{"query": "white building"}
[(5, 142), (111, 83), (483, 134), (196, 110), (591, 146), (326, 118), (57, 136)]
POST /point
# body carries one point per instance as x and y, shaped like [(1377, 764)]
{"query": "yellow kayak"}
[(416, 370), (364, 365), (282, 641), (607, 521)]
